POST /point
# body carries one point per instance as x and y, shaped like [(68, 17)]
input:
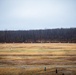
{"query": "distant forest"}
[(63, 35)]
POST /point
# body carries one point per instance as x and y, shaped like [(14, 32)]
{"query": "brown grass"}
[(14, 57)]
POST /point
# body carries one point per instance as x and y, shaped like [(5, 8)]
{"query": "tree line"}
[(63, 35)]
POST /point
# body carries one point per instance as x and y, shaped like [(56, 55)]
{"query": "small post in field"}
[(44, 68), (56, 71)]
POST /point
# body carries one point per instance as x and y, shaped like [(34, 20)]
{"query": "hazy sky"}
[(37, 14)]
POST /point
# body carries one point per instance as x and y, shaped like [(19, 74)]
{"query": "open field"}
[(32, 58)]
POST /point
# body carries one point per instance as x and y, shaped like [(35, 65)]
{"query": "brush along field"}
[(32, 58)]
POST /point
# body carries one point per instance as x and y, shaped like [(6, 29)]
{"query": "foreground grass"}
[(37, 71), (14, 57)]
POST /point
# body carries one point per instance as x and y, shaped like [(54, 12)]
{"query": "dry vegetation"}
[(31, 58)]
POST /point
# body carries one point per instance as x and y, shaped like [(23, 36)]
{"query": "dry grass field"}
[(32, 58)]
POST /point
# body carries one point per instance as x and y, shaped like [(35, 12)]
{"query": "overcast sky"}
[(37, 14)]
